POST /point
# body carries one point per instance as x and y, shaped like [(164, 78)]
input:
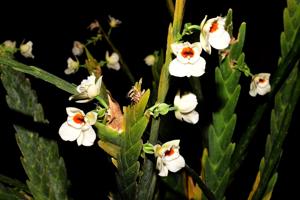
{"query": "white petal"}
[(91, 118), (196, 46), (252, 91), (172, 143), (98, 84), (197, 69), (219, 39), (191, 117), (178, 115), (163, 170), (71, 111), (94, 90), (150, 60), (114, 66), (175, 165), (263, 90), (87, 137), (177, 69), (177, 47), (80, 139), (204, 42), (186, 103), (84, 100), (69, 71), (68, 133), (203, 22)]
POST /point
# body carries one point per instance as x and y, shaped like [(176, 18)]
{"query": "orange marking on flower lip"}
[(169, 152), (78, 118), (214, 27), (187, 52), (261, 80)]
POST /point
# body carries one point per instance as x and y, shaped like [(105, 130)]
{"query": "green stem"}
[(170, 6), (164, 75), (149, 176), (124, 67)]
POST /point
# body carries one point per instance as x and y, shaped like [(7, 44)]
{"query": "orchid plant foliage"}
[(135, 135)]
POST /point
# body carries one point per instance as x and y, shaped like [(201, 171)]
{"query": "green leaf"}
[(39, 73), (236, 48), (290, 55), (131, 146), (41, 161), (228, 22), (108, 134), (270, 187), (281, 115), (14, 184), (220, 149), (7, 193)]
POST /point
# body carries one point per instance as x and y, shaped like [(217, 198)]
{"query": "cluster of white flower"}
[(187, 63), (25, 49)]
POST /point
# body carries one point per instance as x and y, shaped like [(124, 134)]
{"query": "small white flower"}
[(260, 84), (213, 34), (26, 50), (94, 25), (185, 106), (168, 157), (150, 60), (9, 44), (113, 22), (188, 61), (79, 127), (112, 61), (88, 89), (73, 66), (78, 48)]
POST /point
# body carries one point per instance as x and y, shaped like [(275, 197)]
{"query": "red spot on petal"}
[(187, 52), (214, 27), (78, 118), (261, 80), (169, 152)]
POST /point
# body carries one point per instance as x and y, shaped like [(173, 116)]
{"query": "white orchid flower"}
[(26, 50), (188, 61), (150, 60), (88, 89), (185, 107), (79, 127), (113, 22), (213, 34), (9, 44), (112, 61), (168, 157), (260, 84), (78, 48), (73, 66)]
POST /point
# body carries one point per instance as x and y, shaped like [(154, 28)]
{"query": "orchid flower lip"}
[(168, 157), (188, 61), (78, 127)]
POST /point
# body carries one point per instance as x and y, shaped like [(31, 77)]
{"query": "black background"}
[(53, 26)]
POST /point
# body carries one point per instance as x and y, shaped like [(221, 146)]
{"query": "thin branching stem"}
[(201, 184), (114, 48)]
